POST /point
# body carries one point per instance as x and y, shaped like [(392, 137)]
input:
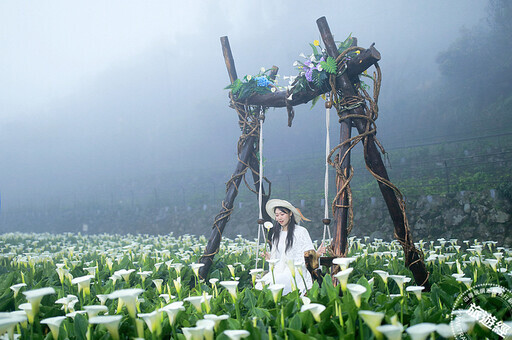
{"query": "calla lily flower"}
[(421, 331), (127, 297), (254, 273), (84, 283), (111, 322), (231, 269), (68, 302), (305, 300), (213, 282), (152, 320), (400, 280), (7, 324), (16, 288), (236, 334), (315, 308), (416, 290), (125, 274), (195, 268), (466, 281), (356, 290), (373, 320), (196, 301), (61, 271), (166, 297), (91, 270), (445, 331), (177, 284), (268, 225), (177, 267), (22, 314), (74, 313), (343, 262), (392, 332), (231, 287), (54, 324), (383, 275), (272, 263), (216, 319), (172, 310), (94, 310), (158, 285), (493, 263), (114, 278), (291, 267), (144, 274), (207, 326), (27, 308), (463, 322), (102, 297), (277, 290), (193, 333), (36, 295), (342, 277)]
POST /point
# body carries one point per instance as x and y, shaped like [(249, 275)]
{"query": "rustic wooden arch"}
[(248, 147)]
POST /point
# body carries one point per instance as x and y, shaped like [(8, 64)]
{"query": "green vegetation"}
[(148, 286)]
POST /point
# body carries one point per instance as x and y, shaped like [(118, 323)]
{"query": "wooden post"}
[(375, 163), (227, 205), (341, 211), (246, 156)]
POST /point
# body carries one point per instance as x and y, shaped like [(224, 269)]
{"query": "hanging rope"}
[(260, 191), (326, 178)]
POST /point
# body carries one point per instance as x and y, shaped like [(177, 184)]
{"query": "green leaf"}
[(80, 327), (295, 322), (315, 50), (364, 282), (314, 101), (345, 44), (320, 79), (313, 292), (299, 335), (329, 65), (249, 300)]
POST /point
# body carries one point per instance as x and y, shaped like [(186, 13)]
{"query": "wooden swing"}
[(354, 110)]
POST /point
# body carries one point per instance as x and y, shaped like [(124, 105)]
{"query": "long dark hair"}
[(276, 230)]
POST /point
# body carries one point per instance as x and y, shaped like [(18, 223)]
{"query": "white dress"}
[(282, 274)]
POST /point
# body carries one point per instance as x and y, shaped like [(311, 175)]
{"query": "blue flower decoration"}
[(263, 81)]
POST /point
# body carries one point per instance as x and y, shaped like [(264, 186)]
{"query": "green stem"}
[(402, 310), (342, 324), (361, 328), (282, 318)]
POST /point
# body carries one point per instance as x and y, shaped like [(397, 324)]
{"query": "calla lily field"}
[(73, 286)]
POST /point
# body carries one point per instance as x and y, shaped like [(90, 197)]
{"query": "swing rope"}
[(326, 178), (260, 194)]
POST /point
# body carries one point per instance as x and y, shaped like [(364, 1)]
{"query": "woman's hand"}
[(321, 250), (265, 255)]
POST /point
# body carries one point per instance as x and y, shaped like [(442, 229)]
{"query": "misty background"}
[(120, 106)]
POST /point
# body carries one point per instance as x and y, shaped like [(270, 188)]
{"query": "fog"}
[(97, 94)]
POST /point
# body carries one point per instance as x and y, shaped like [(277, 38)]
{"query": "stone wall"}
[(465, 215)]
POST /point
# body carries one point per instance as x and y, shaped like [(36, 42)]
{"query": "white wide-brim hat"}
[(274, 203)]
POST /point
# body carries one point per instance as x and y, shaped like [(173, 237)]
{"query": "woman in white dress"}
[(288, 242)]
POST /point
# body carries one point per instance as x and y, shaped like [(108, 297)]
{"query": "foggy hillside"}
[(130, 101)]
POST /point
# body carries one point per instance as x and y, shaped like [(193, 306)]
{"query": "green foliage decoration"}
[(329, 65)]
